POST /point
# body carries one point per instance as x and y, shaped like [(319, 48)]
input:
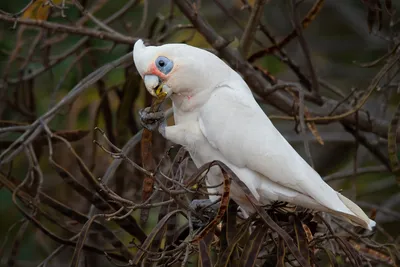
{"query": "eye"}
[(164, 64)]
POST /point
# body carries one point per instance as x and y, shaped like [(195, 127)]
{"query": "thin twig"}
[(99, 23), (71, 29), (304, 128), (251, 27), (297, 25)]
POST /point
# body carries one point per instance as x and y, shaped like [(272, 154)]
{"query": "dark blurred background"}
[(40, 65)]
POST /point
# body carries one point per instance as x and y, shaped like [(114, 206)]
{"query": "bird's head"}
[(178, 69)]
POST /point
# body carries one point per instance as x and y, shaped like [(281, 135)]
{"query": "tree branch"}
[(251, 27), (71, 29)]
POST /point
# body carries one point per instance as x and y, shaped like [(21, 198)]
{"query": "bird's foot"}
[(152, 120), (204, 207)]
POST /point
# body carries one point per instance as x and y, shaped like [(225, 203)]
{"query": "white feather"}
[(235, 125)]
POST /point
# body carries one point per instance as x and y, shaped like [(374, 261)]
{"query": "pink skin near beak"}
[(154, 71)]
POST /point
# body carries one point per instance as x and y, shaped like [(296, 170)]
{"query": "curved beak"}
[(155, 86)]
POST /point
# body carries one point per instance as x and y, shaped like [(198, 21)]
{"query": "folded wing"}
[(233, 122)]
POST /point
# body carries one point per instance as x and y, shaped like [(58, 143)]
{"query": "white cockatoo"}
[(217, 118)]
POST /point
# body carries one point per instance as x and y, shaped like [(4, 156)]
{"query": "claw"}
[(150, 120), (205, 208), (145, 115)]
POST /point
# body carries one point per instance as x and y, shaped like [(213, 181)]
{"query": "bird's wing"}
[(233, 122)]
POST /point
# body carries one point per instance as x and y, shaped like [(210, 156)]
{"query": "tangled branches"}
[(105, 196)]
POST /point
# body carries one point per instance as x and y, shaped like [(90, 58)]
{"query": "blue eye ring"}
[(164, 65)]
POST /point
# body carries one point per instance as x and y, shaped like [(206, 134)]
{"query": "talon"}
[(150, 120), (205, 208), (155, 116), (198, 204)]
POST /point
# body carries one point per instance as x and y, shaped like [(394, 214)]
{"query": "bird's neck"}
[(190, 101)]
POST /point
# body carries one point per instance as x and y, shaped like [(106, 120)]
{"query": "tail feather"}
[(339, 205), (358, 217)]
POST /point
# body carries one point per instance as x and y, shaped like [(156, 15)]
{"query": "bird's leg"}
[(151, 120)]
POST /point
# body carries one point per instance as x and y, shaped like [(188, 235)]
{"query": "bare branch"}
[(71, 29), (251, 27), (296, 23)]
